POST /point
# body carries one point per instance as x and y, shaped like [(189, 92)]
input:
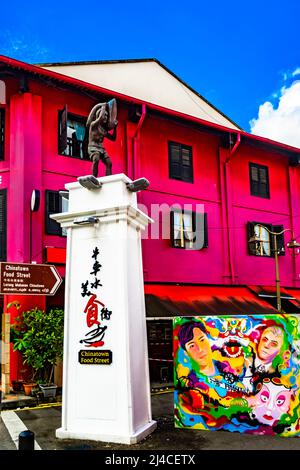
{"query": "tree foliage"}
[(38, 335)]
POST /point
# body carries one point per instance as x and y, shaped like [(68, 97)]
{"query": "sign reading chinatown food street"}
[(28, 279), (95, 357)]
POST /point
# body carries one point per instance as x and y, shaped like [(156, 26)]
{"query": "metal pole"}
[(277, 274)]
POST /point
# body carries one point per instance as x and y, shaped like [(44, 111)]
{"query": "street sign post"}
[(28, 279)]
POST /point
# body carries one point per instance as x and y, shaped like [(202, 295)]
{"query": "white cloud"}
[(281, 123), (296, 72)]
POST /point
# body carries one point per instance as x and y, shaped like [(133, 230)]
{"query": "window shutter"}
[(280, 239), (250, 233), (3, 224), (180, 162), (174, 160), (172, 228), (254, 182), (263, 181), (259, 180), (186, 163), (52, 206), (85, 144), (205, 232), (63, 124)]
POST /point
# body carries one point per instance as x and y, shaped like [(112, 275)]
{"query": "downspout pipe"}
[(135, 142), (234, 148), (229, 215)]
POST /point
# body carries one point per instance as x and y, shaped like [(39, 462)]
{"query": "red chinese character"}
[(91, 311)]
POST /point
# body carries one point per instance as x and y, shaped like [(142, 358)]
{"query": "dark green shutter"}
[(180, 162), (52, 206), (174, 160), (172, 228), (250, 234), (85, 144), (205, 231), (63, 124), (259, 180)]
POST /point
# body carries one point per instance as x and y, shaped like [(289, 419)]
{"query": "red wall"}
[(32, 162), (43, 168)]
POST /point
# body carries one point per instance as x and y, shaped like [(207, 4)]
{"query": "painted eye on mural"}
[(280, 400), (264, 397)]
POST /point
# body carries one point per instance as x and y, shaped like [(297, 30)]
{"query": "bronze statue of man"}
[(101, 120)]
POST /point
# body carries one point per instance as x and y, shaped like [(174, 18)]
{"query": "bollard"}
[(26, 440)]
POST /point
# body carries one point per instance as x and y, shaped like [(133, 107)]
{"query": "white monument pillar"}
[(106, 389)]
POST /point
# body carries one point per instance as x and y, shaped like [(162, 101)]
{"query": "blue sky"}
[(237, 54)]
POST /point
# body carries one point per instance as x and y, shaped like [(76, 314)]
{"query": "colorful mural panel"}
[(238, 374)]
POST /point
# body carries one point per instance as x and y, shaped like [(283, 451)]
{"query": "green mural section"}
[(238, 374)]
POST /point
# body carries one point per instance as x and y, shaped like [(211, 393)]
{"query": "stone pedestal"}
[(106, 389)]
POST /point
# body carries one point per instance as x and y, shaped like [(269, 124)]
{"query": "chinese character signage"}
[(239, 374), (96, 316)]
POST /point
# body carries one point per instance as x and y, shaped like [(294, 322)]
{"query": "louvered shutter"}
[(250, 233), (174, 160), (63, 124), (52, 206), (186, 164)]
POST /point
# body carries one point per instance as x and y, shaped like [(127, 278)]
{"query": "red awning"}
[(288, 296), (295, 293), (164, 300)]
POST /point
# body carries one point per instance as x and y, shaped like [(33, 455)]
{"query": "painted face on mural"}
[(199, 348), (232, 339), (270, 344), (271, 402)]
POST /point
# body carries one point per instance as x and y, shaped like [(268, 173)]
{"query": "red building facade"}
[(227, 180)]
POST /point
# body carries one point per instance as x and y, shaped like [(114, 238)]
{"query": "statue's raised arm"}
[(101, 120), (93, 112)]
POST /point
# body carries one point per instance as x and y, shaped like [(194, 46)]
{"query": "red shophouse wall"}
[(208, 265), (162, 262)]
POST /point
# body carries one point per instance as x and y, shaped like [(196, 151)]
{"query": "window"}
[(189, 230), (259, 180), (159, 331), (54, 205), (264, 246), (2, 124), (72, 136), (180, 162), (3, 224)]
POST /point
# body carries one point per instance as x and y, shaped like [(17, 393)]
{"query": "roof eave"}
[(37, 71)]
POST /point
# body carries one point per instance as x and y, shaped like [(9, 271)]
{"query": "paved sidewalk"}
[(44, 420)]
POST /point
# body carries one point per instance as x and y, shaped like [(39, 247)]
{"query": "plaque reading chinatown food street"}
[(95, 357)]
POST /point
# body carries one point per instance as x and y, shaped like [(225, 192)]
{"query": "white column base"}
[(140, 434)]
